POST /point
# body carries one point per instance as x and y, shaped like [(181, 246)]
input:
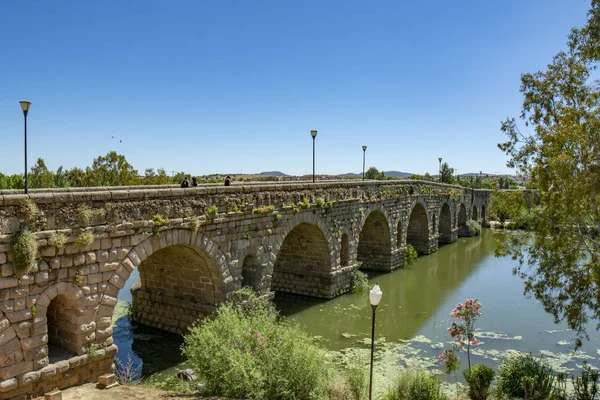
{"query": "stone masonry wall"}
[(90, 241)]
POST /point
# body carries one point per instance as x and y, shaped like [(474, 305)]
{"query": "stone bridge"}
[(193, 248)]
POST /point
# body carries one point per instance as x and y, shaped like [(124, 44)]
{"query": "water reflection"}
[(411, 297)]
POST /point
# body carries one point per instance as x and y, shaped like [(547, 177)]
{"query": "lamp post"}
[(440, 170), (314, 135), (25, 105), (364, 155), (374, 298), (480, 179)]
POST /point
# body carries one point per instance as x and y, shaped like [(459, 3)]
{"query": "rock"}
[(186, 375)]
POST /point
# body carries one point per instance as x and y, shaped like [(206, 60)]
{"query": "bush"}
[(357, 379), (586, 386), (479, 380), (24, 248), (320, 202), (474, 227), (410, 255), (520, 370), (245, 351), (360, 280), (415, 386)]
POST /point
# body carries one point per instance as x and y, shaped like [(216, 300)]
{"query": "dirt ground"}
[(135, 392)]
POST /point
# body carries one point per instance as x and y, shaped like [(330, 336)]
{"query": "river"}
[(411, 319)]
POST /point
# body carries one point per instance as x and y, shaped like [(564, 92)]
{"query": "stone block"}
[(7, 335), (17, 316), (16, 369), (107, 380), (48, 371), (29, 377), (6, 283), (8, 384), (34, 341), (53, 395), (7, 270)]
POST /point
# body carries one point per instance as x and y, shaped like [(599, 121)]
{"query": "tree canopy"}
[(557, 146)]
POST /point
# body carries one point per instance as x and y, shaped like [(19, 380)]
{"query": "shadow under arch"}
[(445, 228), (417, 234), (375, 244), (463, 230), (303, 262), (60, 304)]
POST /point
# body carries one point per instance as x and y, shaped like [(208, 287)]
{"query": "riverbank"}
[(129, 392)]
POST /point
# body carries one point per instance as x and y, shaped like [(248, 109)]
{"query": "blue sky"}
[(232, 86)]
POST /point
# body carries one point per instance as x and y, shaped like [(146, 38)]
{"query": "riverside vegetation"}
[(246, 350)]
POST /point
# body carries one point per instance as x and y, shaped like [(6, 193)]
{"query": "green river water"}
[(411, 319)]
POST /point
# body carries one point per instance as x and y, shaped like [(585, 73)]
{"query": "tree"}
[(559, 151), (153, 178), (41, 176), (447, 174), (374, 173), (111, 170)]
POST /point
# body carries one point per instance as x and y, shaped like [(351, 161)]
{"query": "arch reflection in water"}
[(413, 295)]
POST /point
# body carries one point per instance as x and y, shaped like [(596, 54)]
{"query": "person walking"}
[(227, 181), (194, 181), (185, 183)]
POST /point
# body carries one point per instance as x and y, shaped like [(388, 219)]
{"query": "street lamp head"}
[(313, 134), (440, 159), (25, 105), (364, 148), (375, 295)]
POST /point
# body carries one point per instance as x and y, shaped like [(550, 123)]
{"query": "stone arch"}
[(292, 223), (445, 228), (183, 272), (252, 273), (375, 243), (303, 255), (417, 234), (70, 325), (345, 250)]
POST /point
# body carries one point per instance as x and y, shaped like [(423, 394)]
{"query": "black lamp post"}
[(364, 155), (440, 170), (25, 105), (314, 135), (374, 298)]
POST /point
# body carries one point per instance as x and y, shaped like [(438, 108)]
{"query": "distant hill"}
[(350, 175), (273, 173), (398, 174)]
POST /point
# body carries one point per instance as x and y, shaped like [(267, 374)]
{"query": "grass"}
[(212, 210), (28, 209), (58, 240), (85, 239)]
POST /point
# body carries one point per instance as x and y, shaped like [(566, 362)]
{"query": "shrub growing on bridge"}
[(24, 248), (246, 351)]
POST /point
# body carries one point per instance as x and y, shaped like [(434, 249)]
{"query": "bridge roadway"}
[(193, 247)]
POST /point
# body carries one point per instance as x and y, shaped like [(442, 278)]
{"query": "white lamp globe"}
[(375, 295)]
